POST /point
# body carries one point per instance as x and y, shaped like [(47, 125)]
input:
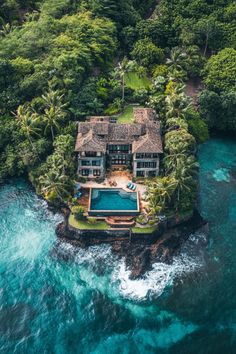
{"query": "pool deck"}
[(121, 180)]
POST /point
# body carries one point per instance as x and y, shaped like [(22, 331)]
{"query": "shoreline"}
[(140, 250)]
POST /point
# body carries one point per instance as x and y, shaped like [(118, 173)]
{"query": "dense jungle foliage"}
[(61, 60)]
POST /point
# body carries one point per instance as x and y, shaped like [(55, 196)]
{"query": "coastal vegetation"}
[(61, 61), (86, 224)]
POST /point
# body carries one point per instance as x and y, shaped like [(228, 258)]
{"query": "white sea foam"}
[(154, 282), (162, 275), (221, 175), (101, 270)]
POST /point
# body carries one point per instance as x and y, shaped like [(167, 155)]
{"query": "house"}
[(103, 144)]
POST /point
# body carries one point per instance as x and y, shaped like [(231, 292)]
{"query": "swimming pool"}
[(104, 202)]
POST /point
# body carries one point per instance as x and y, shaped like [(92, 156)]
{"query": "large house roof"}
[(150, 142), (89, 142), (144, 115), (144, 135)]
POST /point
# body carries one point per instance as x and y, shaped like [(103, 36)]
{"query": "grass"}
[(133, 81), (127, 115), (144, 230), (85, 225)]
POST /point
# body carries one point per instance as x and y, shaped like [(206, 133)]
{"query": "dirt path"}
[(193, 88)]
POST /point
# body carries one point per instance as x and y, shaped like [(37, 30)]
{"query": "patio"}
[(119, 179)]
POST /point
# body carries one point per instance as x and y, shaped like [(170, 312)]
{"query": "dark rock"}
[(142, 250)]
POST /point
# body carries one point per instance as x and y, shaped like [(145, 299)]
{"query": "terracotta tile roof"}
[(150, 142), (99, 119), (124, 132), (98, 128), (144, 115), (95, 134), (89, 142)]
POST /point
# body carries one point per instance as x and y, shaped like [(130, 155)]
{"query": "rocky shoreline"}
[(139, 250)]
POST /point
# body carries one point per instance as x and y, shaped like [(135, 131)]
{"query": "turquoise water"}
[(113, 199), (55, 298)]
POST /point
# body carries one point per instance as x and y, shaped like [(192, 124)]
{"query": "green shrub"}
[(92, 221), (78, 212), (74, 201), (152, 222), (141, 219), (147, 53), (82, 179), (197, 126), (160, 70)]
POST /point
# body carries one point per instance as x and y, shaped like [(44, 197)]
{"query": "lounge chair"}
[(129, 185)]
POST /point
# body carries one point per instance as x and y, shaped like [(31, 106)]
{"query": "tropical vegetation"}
[(63, 60)]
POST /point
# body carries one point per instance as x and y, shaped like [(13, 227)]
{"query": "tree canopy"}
[(61, 60)]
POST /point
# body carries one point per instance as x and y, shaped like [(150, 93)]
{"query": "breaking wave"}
[(103, 271)]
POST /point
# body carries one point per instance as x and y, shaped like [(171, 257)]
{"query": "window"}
[(85, 163), (90, 153), (146, 164), (140, 174), (118, 160), (152, 173), (97, 173), (146, 156), (123, 149), (96, 163), (85, 172)]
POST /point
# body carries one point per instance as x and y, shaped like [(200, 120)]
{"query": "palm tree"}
[(27, 122), (177, 59), (171, 162), (183, 174), (53, 182), (177, 102), (51, 117), (159, 193), (54, 98), (121, 70), (53, 112)]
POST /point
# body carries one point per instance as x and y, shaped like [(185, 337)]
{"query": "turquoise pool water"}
[(56, 298), (104, 200)]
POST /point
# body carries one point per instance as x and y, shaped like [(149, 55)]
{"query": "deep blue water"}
[(55, 298), (115, 199)]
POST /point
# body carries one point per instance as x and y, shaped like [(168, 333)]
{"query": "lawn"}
[(144, 230), (85, 225), (127, 116), (133, 81)]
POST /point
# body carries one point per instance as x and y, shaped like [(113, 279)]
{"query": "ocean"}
[(58, 298)]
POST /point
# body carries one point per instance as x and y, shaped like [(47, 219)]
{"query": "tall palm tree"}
[(53, 112), (26, 120), (54, 98), (183, 174), (171, 162), (121, 70), (50, 118), (53, 182), (159, 193), (177, 103)]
